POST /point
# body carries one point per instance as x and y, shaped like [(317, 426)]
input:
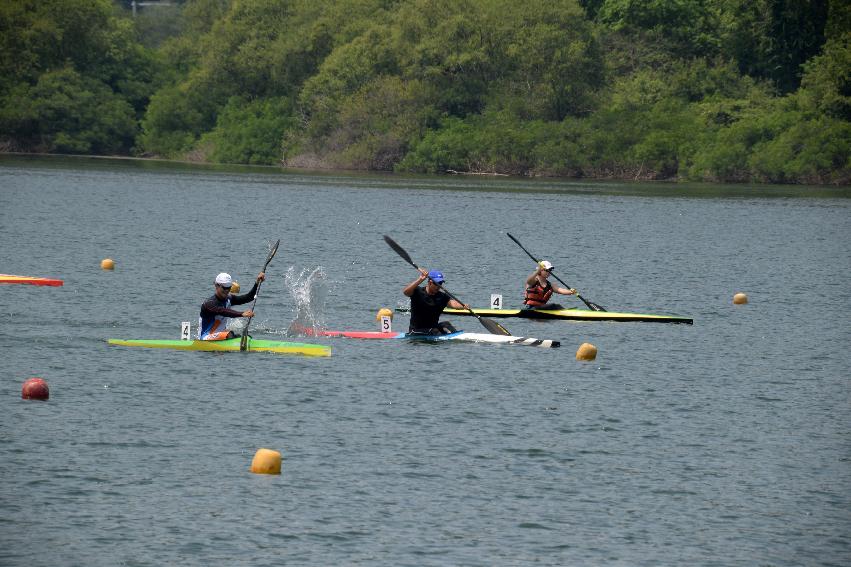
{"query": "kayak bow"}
[(10, 279)]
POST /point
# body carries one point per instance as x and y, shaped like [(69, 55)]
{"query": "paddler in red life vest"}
[(214, 311), (539, 289), (427, 305)]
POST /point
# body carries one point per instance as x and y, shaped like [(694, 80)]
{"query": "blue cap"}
[(436, 276)]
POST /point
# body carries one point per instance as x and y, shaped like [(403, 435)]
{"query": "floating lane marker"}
[(35, 389), (266, 461)]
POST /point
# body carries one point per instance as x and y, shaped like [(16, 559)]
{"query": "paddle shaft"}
[(492, 326), (243, 343), (591, 305)]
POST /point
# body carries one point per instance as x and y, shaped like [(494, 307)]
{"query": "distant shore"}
[(316, 167)]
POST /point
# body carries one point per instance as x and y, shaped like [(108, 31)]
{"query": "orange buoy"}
[(35, 389), (586, 351), (740, 298), (266, 461), (234, 287), (107, 264), (383, 312)]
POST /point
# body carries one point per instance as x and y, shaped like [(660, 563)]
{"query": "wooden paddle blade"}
[(399, 250)]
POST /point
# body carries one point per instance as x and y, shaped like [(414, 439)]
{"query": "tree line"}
[(713, 90)]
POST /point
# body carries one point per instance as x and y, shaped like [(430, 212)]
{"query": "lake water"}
[(723, 443)]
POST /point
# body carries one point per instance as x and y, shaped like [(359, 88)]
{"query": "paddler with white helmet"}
[(212, 325), (539, 289)]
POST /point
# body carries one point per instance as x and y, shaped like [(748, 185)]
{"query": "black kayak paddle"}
[(591, 305), (243, 343), (492, 326)]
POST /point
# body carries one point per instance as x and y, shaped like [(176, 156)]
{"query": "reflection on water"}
[(354, 179)]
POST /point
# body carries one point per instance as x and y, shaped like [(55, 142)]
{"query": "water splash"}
[(309, 290)]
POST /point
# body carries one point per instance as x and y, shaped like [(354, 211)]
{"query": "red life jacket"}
[(538, 295)]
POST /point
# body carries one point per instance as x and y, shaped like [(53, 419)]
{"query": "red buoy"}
[(35, 389)]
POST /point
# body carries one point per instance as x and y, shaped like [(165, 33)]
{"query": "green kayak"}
[(229, 345)]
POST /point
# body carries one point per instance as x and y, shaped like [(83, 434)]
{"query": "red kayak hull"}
[(354, 334), (10, 279)]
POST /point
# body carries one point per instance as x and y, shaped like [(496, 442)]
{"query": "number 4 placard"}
[(496, 301)]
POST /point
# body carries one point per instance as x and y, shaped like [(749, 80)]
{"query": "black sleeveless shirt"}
[(426, 310)]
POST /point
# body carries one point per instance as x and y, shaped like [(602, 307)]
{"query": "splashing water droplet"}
[(309, 290)]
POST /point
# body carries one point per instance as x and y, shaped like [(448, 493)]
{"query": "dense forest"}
[(714, 90)]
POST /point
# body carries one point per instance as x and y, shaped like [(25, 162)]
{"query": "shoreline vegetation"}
[(729, 91)]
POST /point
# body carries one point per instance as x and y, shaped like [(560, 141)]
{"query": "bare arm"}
[(409, 289)]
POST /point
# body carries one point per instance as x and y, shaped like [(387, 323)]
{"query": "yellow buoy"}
[(107, 264), (266, 461), (234, 287), (383, 312), (740, 298), (586, 351)]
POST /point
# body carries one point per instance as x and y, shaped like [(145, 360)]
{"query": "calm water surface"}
[(722, 443)]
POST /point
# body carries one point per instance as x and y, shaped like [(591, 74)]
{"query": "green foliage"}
[(378, 122), (345, 71), (74, 77), (250, 131), (556, 54), (38, 36), (66, 112), (812, 151), (155, 24), (772, 140), (495, 142), (256, 49), (771, 39), (199, 16), (733, 90), (174, 122), (827, 79), (686, 27)]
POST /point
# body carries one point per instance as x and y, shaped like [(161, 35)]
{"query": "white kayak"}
[(457, 336)]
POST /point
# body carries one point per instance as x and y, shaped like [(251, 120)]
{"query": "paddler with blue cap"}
[(211, 323), (428, 303)]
